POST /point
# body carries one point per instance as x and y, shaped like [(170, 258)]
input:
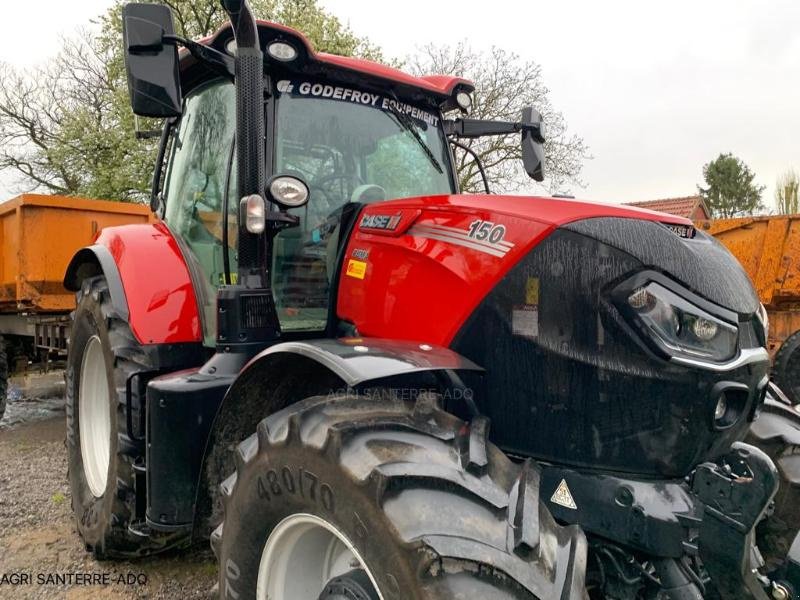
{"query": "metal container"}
[(769, 250), (39, 235)]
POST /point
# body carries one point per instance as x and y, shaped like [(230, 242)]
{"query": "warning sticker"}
[(356, 268), (563, 497), (532, 290), (525, 321)]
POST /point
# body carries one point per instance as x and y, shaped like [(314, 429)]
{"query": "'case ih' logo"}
[(383, 222), (682, 231)]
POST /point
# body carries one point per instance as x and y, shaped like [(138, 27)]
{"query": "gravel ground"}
[(37, 533)]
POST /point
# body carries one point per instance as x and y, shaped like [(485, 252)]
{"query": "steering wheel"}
[(328, 179), (335, 176), (329, 196)]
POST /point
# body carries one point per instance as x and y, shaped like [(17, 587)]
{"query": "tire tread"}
[(120, 539), (493, 489)]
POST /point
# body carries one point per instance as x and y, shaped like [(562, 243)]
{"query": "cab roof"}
[(309, 62)]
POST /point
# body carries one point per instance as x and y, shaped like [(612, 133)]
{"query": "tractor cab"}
[(349, 147)]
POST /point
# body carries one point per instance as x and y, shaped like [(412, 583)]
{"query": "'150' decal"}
[(483, 236), (486, 230)]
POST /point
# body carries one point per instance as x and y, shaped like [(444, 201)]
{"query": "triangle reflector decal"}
[(563, 497)]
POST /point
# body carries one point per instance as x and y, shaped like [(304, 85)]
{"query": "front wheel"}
[(306, 553), (363, 499), (3, 377), (103, 356)]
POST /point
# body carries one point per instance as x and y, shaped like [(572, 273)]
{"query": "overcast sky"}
[(655, 89)]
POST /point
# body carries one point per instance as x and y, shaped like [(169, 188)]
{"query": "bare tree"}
[(787, 193), (504, 84), (64, 128)]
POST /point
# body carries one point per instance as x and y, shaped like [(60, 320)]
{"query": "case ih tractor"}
[(302, 360)]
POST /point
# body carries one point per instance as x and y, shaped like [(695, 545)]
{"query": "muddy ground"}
[(39, 547)]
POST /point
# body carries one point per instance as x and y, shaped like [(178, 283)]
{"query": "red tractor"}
[(302, 359)]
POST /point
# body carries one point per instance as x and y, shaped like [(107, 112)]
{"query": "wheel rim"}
[(302, 554), (94, 417)]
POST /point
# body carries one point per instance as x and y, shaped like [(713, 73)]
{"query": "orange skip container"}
[(39, 235), (769, 250)]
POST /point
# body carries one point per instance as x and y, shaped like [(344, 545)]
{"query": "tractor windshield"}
[(350, 145)]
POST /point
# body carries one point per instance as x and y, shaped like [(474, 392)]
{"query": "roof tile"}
[(682, 207)]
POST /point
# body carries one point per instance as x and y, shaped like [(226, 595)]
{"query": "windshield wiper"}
[(405, 122)]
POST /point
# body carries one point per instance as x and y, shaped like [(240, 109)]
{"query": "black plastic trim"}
[(360, 360), (101, 257)]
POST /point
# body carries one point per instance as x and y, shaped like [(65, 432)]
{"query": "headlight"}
[(282, 51), (288, 191), (679, 327)]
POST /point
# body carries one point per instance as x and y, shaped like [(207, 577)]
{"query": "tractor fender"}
[(289, 372), (359, 360), (149, 281), (97, 260)]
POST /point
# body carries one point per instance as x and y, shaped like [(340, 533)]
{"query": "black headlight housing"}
[(677, 324), (594, 386)]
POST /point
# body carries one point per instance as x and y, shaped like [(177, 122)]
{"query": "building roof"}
[(682, 207)]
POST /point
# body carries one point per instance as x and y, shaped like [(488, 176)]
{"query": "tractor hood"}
[(543, 209), (667, 243), (582, 315)]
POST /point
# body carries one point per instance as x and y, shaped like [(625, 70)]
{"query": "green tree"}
[(787, 193), (67, 127), (730, 190)]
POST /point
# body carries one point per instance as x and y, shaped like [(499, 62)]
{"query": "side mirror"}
[(532, 144), (151, 64)]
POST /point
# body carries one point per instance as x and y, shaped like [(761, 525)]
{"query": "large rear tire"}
[(786, 367), (103, 355), (3, 377), (777, 432), (336, 491)]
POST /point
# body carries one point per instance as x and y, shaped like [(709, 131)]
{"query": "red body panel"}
[(422, 280), (443, 85), (157, 284)]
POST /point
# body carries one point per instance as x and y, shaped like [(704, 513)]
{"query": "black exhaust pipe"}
[(250, 127), (246, 315)]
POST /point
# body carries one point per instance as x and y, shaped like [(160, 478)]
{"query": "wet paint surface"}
[(157, 284)]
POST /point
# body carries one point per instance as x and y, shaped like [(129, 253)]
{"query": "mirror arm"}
[(475, 128), (280, 219), (218, 61)]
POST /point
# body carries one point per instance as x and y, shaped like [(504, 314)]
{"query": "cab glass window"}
[(349, 146), (195, 184)]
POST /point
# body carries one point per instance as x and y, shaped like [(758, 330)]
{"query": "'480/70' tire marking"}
[(305, 484)]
